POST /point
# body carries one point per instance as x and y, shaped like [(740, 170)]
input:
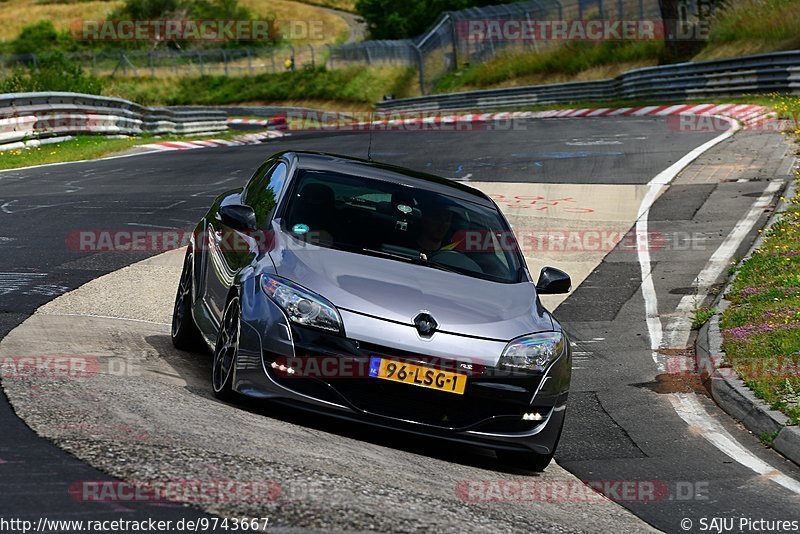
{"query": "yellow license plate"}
[(416, 375)]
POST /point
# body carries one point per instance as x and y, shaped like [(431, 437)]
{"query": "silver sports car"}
[(377, 294)]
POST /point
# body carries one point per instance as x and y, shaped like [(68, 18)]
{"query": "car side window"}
[(262, 195)]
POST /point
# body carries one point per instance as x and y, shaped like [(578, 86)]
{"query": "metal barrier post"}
[(421, 64), (454, 34)]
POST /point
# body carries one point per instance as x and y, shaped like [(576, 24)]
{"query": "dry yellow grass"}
[(601, 72), (743, 48), (319, 26), (342, 5), (16, 14)]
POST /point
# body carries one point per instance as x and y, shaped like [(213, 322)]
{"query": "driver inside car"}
[(434, 227)]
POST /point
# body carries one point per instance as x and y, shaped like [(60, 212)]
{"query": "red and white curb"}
[(249, 139), (748, 114), (745, 113)]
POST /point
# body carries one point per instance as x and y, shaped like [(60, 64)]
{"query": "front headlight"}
[(301, 305), (534, 352)]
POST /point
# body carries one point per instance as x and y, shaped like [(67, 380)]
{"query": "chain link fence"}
[(451, 41), (163, 63), (448, 44)]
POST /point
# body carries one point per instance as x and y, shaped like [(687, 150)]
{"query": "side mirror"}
[(553, 282), (239, 217)]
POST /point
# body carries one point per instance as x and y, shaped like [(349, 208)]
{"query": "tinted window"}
[(401, 223), (262, 194)]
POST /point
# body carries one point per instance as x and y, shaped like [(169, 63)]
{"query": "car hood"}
[(398, 291)]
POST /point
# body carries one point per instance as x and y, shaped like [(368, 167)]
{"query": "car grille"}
[(493, 406)]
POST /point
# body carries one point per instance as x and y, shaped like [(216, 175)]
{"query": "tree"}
[(392, 19)]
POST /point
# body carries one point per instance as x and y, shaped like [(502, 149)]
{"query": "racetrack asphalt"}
[(621, 423)]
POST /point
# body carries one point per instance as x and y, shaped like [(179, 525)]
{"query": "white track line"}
[(654, 189), (692, 412), (679, 328), (687, 405)]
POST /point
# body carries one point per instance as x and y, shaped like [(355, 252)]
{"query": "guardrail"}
[(28, 116), (777, 72)]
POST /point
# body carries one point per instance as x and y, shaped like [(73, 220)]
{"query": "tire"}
[(226, 351), (185, 334)]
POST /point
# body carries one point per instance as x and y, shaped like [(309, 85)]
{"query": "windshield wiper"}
[(393, 255), (416, 260)]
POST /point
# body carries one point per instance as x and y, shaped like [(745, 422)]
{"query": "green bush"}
[(353, 84), (359, 85), (52, 72), (42, 37)]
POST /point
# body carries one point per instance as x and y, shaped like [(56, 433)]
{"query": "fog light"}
[(281, 367), (535, 416)]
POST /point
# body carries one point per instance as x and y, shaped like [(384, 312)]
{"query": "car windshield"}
[(401, 223)]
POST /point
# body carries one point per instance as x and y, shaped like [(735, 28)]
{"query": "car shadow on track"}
[(195, 370)]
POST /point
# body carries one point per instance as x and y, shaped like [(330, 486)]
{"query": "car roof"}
[(388, 173)]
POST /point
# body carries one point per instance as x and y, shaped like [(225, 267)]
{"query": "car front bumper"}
[(498, 409)]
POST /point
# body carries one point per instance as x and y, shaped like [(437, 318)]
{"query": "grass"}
[(341, 5), (569, 62), (83, 147), (768, 438), (753, 26), (701, 316), (15, 14), (741, 28), (357, 85), (761, 328), (334, 28)]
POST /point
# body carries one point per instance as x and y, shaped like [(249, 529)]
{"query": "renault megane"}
[(378, 294)]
